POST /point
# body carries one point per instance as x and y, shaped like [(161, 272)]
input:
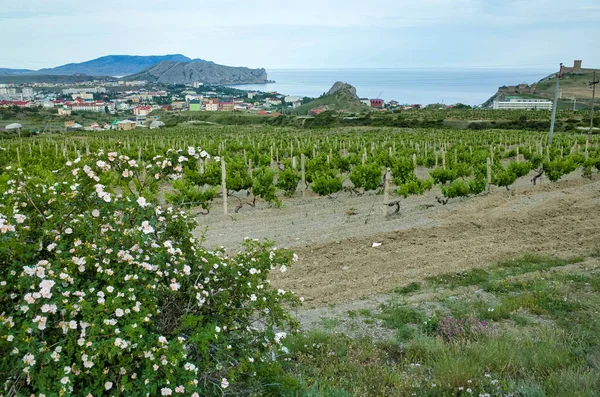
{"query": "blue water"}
[(472, 86)]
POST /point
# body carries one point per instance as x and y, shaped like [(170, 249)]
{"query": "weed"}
[(407, 289)]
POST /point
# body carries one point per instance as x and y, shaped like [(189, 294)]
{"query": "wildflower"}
[(224, 383), (283, 268), (165, 391), (108, 385), (119, 313), (65, 380), (142, 202), (95, 213), (29, 359)]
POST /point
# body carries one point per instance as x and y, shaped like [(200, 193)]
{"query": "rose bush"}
[(103, 292)]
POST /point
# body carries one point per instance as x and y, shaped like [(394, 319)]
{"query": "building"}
[(92, 90), (577, 68), (226, 106), (142, 110), (517, 103), (212, 105), (251, 94), (365, 101), (195, 105), (64, 111), (291, 99), (178, 105), (273, 101), (28, 92), (376, 103), (197, 84), (126, 125), (96, 107), (83, 95)]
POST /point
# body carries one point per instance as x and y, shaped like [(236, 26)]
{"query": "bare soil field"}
[(334, 237)]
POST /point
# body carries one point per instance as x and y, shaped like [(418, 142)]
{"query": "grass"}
[(531, 329)]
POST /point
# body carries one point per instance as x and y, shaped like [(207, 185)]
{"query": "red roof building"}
[(376, 103)]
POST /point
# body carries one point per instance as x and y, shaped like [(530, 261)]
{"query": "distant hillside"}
[(170, 72), (111, 65), (48, 78), (13, 72), (341, 97), (574, 86)]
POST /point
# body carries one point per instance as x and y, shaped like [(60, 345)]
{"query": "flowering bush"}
[(104, 292), (451, 328)]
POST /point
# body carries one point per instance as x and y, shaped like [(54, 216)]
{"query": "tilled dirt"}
[(334, 237)]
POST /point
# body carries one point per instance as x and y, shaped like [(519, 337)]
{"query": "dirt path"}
[(337, 260)]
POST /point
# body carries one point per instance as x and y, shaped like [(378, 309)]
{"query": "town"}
[(126, 105)]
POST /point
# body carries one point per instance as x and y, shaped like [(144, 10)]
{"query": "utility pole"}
[(555, 105), (593, 85)]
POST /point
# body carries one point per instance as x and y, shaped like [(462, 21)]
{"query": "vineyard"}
[(108, 284), (269, 163)]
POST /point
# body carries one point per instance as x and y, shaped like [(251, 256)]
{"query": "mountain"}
[(341, 97), (13, 72), (171, 72), (110, 65), (50, 78)]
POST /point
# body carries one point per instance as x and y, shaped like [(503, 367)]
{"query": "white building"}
[(291, 98), (523, 104), (28, 92)]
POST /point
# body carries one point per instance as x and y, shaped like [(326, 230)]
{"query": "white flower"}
[(20, 218), (295, 258), (283, 268), (95, 213), (253, 298), (224, 383), (29, 359), (142, 202), (119, 312), (162, 339), (65, 380), (108, 385), (110, 288), (165, 391), (217, 329), (68, 230)]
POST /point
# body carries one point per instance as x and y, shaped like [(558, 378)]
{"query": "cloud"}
[(313, 33)]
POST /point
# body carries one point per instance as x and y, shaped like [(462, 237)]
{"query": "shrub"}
[(288, 181), (367, 177), (326, 184), (103, 291), (264, 185)]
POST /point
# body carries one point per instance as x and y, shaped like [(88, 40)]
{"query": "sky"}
[(308, 34)]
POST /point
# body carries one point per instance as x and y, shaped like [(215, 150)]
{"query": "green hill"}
[(341, 98)]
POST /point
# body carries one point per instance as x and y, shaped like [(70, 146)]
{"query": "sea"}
[(471, 86)]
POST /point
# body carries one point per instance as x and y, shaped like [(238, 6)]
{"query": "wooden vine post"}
[(443, 159), (303, 173), (414, 160), (224, 184), (387, 180), (489, 175)]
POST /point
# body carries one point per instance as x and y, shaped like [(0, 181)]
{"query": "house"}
[(126, 125), (377, 103), (64, 111), (393, 104), (83, 95), (226, 106), (273, 101), (178, 105), (251, 94), (195, 105), (212, 105), (142, 110)]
